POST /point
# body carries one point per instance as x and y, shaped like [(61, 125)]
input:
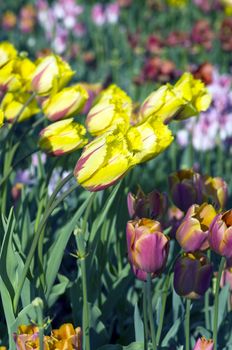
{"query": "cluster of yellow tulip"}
[(119, 146), (119, 142)]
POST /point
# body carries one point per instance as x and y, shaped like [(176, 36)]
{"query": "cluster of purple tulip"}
[(200, 224)]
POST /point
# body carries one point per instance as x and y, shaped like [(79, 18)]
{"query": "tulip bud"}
[(192, 234), (217, 189), (12, 105), (220, 234), (113, 108), (65, 103), (7, 53), (147, 139), (50, 75), (152, 205), (62, 137), (192, 275), (204, 344), (147, 246), (104, 161), (186, 188)]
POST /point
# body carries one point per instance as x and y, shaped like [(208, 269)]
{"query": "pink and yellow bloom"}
[(13, 103), (104, 161), (51, 75), (65, 103), (220, 234), (192, 234), (64, 136), (204, 344), (112, 109), (147, 245)]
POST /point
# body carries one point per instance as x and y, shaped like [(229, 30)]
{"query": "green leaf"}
[(171, 333), (138, 324), (57, 249), (223, 299)]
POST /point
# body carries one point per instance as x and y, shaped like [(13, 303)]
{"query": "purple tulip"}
[(186, 188), (204, 344), (220, 234), (192, 275), (152, 205), (192, 234), (147, 246)]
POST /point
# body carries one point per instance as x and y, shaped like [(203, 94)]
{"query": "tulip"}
[(195, 93), (147, 245), (192, 275), (147, 139), (65, 103), (220, 234), (50, 75), (185, 99), (64, 136), (66, 337), (162, 103), (25, 68), (12, 105), (186, 188), (9, 80), (7, 53), (152, 205), (192, 234), (204, 344), (113, 108), (104, 161), (217, 189)]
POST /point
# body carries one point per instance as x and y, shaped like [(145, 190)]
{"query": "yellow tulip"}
[(113, 108), (194, 92), (13, 103), (62, 137), (148, 139), (65, 103), (7, 52), (50, 75), (162, 103), (9, 81), (185, 99), (104, 161), (16, 75)]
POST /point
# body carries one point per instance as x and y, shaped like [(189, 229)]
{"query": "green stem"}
[(216, 301), (38, 304), (31, 253), (187, 324), (85, 311), (145, 320), (150, 314), (81, 244), (206, 301), (164, 301)]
